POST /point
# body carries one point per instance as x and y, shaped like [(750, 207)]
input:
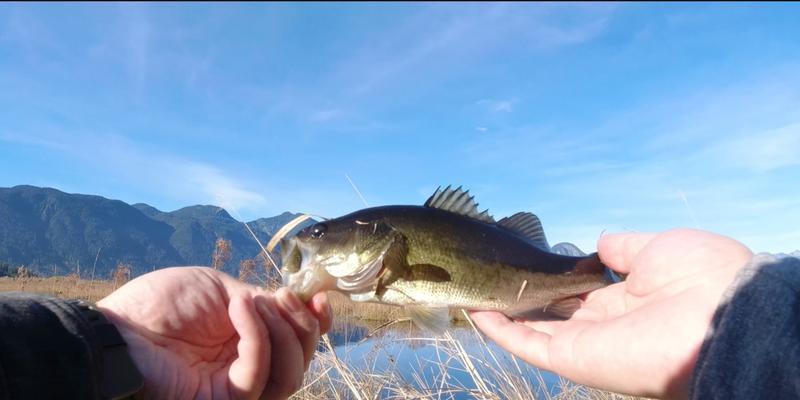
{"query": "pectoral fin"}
[(394, 264), (428, 272), (435, 319)]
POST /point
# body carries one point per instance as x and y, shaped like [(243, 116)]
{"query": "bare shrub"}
[(23, 272), (222, 254), (247, 270), (121, 274), (270, 278)]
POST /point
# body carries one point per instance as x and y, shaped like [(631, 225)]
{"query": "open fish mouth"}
[(301, 273), (291, 258), (306, 272)]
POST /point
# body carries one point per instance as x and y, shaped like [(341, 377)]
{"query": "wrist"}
[(118, 375)]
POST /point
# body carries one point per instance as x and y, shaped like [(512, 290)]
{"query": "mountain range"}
[(57, 233), (52, 232)]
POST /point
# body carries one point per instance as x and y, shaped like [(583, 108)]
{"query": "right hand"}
[(641, 336)]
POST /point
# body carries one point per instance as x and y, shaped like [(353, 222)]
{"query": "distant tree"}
[(121, 275), (222, 254), (247, 270), (23, 272), (7, 270), (272, 278)]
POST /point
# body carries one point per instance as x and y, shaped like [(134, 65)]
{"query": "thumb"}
[(617, 250), (248, 373)]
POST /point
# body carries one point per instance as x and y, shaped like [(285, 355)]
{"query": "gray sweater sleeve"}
[(48, 349), (752, 350)]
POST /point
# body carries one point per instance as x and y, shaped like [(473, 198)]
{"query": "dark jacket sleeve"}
[(752, 350), (47, 349)]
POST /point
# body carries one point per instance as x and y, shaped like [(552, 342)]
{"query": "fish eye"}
[(318, 230)]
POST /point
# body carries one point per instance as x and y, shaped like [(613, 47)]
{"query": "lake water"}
[(412, 363)]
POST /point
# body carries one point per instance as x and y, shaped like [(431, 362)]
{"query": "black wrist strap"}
[(119, 377)]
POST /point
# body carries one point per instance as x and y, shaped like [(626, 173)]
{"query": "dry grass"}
[(456, 371), (69, 287)]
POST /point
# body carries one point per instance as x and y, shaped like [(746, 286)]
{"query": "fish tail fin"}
[(613, 276), (591, 264)]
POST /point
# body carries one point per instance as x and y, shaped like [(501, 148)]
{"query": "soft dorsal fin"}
[(458, 201), (528, 226), (567, 249)]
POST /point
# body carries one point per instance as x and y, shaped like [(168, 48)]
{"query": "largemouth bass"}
[(444, 254)]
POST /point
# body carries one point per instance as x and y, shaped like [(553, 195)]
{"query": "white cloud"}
[(172, 176), (211, 182)]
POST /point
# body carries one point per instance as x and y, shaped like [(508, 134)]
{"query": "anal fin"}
[(435, 319), (563, 308)]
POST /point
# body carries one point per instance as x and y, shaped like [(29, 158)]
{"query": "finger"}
[(305, 324), (248, 372), (287, 354), (321, 308), (618, 250), (681, 253), (546, 327), (606, 303), (523, 341)]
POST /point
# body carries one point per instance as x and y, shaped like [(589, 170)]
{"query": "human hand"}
[(641, 336), (198, 333)]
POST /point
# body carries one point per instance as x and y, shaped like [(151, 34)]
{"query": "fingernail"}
[(290, 301), (264, 306)]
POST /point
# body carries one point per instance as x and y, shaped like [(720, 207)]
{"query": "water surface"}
[(457, 364)]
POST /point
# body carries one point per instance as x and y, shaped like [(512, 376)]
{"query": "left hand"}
[(198, 333), (641, 336)]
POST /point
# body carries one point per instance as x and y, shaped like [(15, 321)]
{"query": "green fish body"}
[(438, 256)]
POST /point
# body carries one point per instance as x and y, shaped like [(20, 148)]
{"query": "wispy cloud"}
[(444, 41), (19, 27), (761, 150), (135, 28), (498, 106), (31, 140), (730, 152), (326, 115), (212, 182), (179, 178), (422, 50)]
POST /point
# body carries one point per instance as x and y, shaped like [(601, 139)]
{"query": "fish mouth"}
[(301, 274), (291, 258)]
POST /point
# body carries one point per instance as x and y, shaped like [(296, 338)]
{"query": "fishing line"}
[(686, 203), (356, 189), (266, 253)]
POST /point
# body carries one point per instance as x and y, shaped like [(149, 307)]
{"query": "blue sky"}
[(597, 117)]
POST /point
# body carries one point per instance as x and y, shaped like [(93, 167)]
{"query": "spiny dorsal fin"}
[(458, 201), (528, 226)]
